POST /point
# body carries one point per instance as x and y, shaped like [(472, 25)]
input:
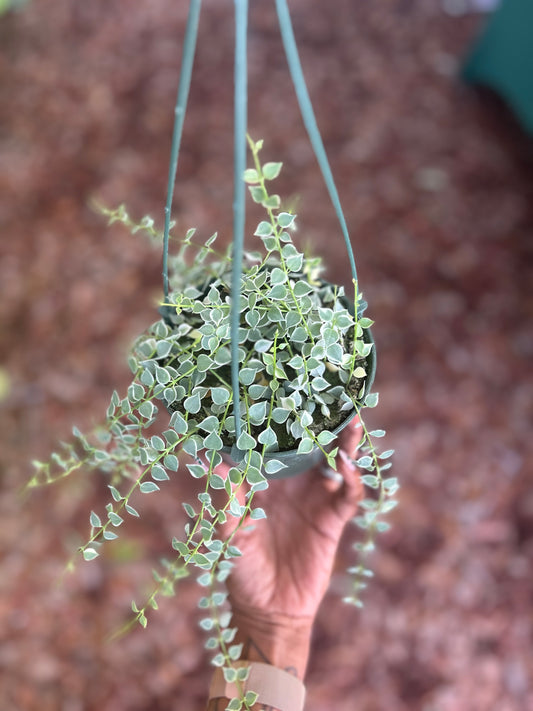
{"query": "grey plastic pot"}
[(296, 463)]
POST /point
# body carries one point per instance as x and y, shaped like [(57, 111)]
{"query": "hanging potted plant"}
[(306, 365), (256, 361)]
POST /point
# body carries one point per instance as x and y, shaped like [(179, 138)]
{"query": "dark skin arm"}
[(277, 585)]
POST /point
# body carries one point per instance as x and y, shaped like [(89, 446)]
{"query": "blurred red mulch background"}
[(437, 182)]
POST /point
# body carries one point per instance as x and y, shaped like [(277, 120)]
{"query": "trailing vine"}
[(306, 364)]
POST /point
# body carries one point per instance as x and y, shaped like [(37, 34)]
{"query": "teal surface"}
[(502, 58)]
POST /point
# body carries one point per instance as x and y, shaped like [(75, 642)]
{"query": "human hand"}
[(275, 588)]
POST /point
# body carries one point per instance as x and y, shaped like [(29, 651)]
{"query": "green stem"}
[(372, 525), (276, 234)]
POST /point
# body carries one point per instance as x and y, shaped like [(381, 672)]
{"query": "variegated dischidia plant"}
[(306, 363)]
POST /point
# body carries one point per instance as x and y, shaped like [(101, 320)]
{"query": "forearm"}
[(279, 641)]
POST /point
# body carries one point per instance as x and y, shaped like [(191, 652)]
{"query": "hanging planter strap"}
[(239, 211), (308, 116), (239, 195), (189, 48)]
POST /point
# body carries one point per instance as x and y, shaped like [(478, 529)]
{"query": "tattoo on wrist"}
[(250, 645)]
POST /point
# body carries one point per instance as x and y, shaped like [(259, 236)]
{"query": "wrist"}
[(280, 640)]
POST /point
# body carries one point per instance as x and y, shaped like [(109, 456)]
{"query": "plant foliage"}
[(305, 355)]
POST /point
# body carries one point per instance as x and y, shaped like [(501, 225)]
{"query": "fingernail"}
[(333, 475), (345, 458)]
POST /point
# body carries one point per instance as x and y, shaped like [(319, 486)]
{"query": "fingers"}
[(347, 442), (352, 485), (350, 437)]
